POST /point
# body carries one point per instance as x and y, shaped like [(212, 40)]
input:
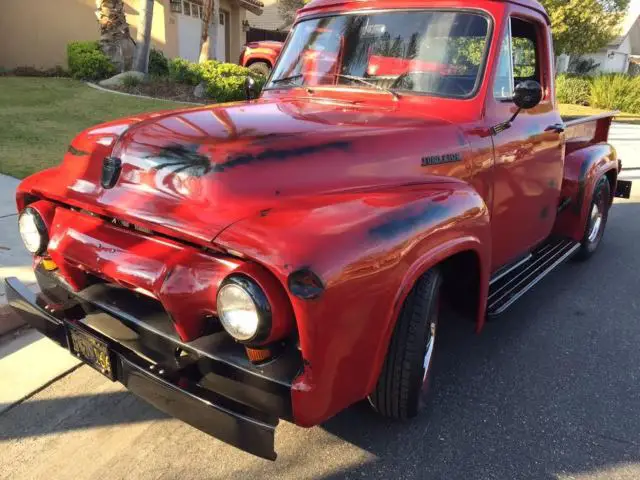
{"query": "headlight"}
[(243, 309), (33, 231)]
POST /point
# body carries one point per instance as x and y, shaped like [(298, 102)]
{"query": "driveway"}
[(552, 390)]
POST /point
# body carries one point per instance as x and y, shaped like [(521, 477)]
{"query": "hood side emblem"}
[(111, 168)]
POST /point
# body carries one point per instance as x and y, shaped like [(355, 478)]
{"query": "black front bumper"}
[(232, 402)]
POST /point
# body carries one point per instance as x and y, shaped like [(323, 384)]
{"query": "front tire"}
[(404, 381), (597, 220), (262, 68)]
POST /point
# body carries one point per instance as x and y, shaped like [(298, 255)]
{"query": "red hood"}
[(192, 173)]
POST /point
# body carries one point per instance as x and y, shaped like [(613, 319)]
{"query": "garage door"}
[(190, 28)]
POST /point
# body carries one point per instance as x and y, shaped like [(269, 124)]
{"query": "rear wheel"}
[(597, 220), (404, 381), (262, 68)]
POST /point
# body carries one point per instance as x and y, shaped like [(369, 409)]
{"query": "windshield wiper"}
[(292, 78), (287, 79), (363, 81)]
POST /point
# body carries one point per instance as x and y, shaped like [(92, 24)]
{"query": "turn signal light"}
[(48, 265), (259, 355)]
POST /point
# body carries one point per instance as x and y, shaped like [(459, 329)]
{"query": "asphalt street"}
[(551, 390)]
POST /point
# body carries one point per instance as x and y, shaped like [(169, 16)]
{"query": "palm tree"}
[(115, 37), (143, 46), (211, 11)]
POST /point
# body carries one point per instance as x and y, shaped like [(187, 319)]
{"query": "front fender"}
[(367, 249), (583, 168)]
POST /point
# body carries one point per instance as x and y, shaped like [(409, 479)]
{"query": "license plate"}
[(91, 351)]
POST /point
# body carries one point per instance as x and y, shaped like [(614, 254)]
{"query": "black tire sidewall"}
[(261, 68), (601, 197)]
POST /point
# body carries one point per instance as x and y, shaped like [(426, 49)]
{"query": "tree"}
[(211, 11), (143, 46), (115, 37), (584, 26), (288, 8)]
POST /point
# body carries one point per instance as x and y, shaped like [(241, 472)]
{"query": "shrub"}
[(224, 81), (573, 89), (616, 92), (88, 62), (131, 81), (158, 63), (184, 71)]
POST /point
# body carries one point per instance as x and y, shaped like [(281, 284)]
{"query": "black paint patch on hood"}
[(279, 155)]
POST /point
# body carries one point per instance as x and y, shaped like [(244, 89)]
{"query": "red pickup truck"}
[(260, 56), (287, 257)]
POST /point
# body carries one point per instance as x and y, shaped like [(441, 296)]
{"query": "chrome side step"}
[(507, 286)]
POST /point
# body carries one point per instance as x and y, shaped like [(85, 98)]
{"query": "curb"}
[(108, 90)]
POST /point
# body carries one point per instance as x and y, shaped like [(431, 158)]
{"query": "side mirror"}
[(528, 94), (250, 90)]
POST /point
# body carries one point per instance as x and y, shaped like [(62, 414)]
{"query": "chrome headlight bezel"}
[(36, 226), (252, 292)]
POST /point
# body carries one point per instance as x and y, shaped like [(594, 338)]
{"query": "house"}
[(267, 26), (622, 55), (36, 32)]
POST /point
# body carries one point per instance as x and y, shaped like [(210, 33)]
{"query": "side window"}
[(503, 86), (525, 51), (519, 59)]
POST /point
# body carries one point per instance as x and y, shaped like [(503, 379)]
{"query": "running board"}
[(507, 287)]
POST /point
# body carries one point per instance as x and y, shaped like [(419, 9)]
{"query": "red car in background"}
[(261, 56)]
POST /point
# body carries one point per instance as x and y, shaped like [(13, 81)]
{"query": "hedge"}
[(616, 92), (573, 89), (224, 81), (88, 62), (608, 91)]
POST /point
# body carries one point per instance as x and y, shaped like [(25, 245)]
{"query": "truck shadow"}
[(548, 389)]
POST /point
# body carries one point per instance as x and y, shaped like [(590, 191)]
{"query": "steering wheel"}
[(404, 79)]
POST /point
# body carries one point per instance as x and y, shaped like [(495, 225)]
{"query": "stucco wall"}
[(36, 32), (270, 18), (164, 32)]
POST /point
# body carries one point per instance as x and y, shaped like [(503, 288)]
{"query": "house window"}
[(222, 19), (193, 8), (176, 6)]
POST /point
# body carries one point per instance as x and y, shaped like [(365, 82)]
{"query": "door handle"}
[(556, 128)]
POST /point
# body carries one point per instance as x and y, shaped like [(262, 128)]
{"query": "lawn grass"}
[(40, 116), (570, 111)]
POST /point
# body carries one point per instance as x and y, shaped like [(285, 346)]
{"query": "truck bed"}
[(584, 131)]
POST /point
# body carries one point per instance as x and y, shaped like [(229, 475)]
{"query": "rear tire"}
[(404, 381), (597, 220), (262, 68)]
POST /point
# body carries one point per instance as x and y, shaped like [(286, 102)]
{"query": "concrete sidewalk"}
[(15, 261), (29, 359)]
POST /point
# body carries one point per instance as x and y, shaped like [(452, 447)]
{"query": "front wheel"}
[(404, 381), (262, 68), (597, 220)]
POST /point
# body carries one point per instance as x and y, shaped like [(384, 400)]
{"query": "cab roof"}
[(320, 4)]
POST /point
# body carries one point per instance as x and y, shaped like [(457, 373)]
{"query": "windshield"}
[(432, 52)]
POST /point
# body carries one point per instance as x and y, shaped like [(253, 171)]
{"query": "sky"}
[(634, 12)]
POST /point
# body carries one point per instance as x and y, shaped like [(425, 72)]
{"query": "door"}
[(222, 44), (528, 167), (189, 31)]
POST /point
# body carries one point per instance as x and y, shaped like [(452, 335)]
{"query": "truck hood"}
[(192, 173)]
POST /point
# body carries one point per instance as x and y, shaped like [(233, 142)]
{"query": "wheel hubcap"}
[(596, 223), (429, 353)]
